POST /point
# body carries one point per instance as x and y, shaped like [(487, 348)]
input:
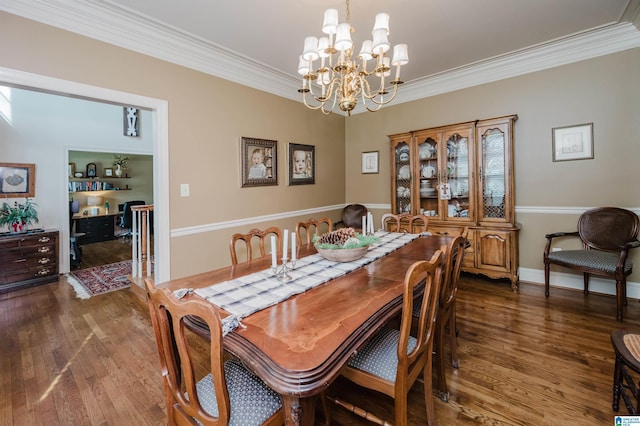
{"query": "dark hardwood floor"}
[(103, 253), (524, 360)]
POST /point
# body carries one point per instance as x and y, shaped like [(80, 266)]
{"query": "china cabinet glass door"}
[(428, 171), (494, 190), (402, 174), (457, 175)]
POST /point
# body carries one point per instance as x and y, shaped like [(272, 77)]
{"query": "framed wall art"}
[(302, 164), (259, 162), (108, 172), (17, 180), (370, 161), (573, 142)]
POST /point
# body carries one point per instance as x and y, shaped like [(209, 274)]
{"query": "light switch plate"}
[(184, 189)]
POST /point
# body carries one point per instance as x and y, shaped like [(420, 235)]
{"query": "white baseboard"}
[(574, 281)]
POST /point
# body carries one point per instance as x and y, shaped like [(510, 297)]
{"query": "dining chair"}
[(405, 222), (311, 227), (248, 240), (392, 360), (229, 393), (607, 235), (446, 317)]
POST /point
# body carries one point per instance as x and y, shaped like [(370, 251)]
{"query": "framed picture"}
[(370, 161), (302, 164), (108, 171), (573, 142), (72, 169), (17, 180), (258, 162)]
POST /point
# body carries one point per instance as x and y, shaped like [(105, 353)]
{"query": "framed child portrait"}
[(302, 164), (258, 162)]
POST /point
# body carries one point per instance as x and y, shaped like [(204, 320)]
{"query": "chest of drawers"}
[(28, 259)]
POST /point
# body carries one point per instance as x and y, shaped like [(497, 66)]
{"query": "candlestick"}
[(364, 225)]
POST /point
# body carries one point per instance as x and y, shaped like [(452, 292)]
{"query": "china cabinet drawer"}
[(28, 259)]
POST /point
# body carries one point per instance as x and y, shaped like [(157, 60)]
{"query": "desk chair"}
[(229, 394), (392, 360), (125, 220)]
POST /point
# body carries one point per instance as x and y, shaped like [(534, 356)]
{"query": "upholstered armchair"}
[(607, 235)]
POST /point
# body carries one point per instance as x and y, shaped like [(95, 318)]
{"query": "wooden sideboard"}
[(28, 259)]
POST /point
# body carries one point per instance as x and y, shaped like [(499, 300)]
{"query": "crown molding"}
[(125, 28)]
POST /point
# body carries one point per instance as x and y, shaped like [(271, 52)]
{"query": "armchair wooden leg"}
[(546, 280), (586, 284), (619, 301)]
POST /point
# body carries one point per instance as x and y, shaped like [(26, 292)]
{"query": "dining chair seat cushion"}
[(251, 401), (594, 259), (379, 356)]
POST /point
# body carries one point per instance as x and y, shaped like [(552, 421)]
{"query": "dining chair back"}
[(228, 394), (312, 227), (392, 360), (446, 317), (250, 238), (607, 235), (405, 222)]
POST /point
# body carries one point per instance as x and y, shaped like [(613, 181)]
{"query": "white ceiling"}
[(452, 43)]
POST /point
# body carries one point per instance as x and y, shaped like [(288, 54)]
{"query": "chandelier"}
[(342, 80)]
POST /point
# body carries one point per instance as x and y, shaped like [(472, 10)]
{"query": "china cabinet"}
[(462, 175)]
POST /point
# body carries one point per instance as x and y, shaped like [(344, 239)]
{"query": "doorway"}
[(56, 215)]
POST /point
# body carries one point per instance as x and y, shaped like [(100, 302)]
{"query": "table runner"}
[(246, 295)]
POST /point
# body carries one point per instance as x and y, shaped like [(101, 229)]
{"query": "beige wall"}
[(207, 118), (605, 91)]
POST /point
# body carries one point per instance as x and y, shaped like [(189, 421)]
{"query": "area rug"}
[(100, 279)]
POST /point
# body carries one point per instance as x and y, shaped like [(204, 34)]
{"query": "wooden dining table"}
[(298, 346)]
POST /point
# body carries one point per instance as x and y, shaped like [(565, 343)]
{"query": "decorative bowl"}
[(343, 255)]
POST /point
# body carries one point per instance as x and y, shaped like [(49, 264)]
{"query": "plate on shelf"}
[(425, 151), (404, 172), (428, 171)]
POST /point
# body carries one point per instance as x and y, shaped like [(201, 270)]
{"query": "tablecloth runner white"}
[(246, 295)]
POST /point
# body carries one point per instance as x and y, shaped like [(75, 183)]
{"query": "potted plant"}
[(18, 216), (120, 162)]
